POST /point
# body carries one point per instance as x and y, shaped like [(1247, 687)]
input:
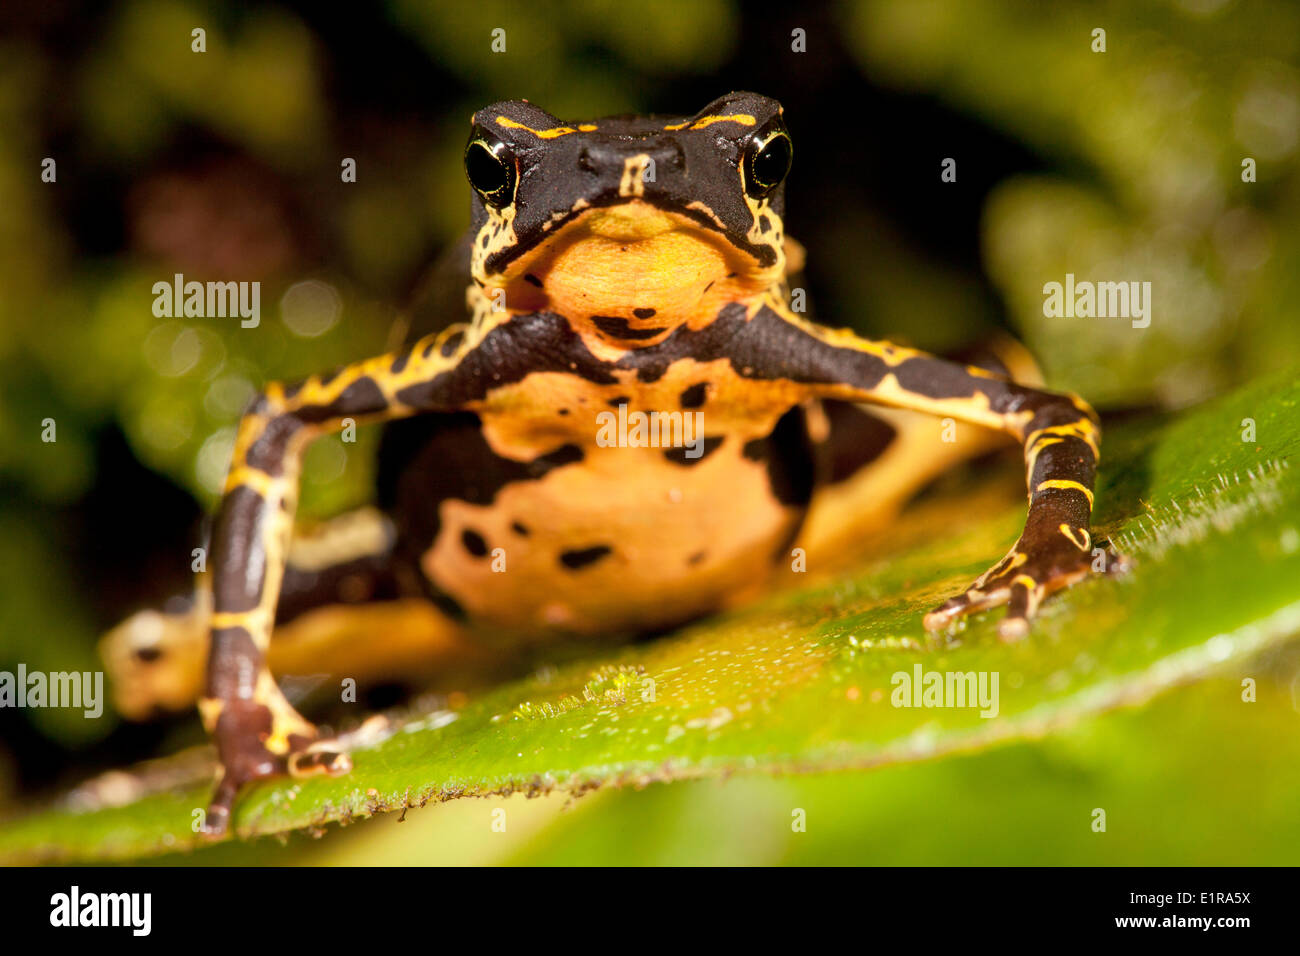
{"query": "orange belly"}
[(625, 540)]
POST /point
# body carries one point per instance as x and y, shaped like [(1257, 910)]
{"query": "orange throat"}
[(650, 269)]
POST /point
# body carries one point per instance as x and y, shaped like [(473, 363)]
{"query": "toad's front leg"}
[(257, 732), (1060, 435)]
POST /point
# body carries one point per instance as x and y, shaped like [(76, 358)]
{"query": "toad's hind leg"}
[(874, 459), (347, 608)]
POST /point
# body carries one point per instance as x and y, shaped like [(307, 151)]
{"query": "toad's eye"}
[(491, 171), (765, 164)]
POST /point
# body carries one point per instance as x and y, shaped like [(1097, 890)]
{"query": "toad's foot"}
[(1027, 574), (252, 745)]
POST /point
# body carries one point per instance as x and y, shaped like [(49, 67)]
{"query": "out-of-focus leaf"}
[(1147, 139)]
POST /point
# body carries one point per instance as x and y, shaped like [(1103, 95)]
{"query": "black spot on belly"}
[(644, 313), (519, 528), (856, 439), (564, 455), (618, 327), (694, 396), (678, 456), (615, 402), (533, 280), (696, 558), (788, 454), (574, 560), (429, 459), (563, 411), (474, 543)]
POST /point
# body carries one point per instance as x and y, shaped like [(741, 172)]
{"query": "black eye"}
[(766, 166), (491, 172)]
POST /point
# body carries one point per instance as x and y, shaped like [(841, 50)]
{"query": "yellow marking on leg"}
[(1066, 484), (1012, 561), (247, 476), (1083, 406), (1031, 453), (974, 409), (248, 620), (1014, 628), (1083, 429), (887, 352), (251, 680), (285, 721), (459, 328), (313, 391), (1069, 532), (210, 709)]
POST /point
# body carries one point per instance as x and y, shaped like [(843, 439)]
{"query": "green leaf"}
[(1028, 802), (802, 681)]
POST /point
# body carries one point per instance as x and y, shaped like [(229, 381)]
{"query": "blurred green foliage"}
[(1147, 141)]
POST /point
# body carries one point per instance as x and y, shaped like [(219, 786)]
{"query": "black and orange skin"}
[(591, 285)]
